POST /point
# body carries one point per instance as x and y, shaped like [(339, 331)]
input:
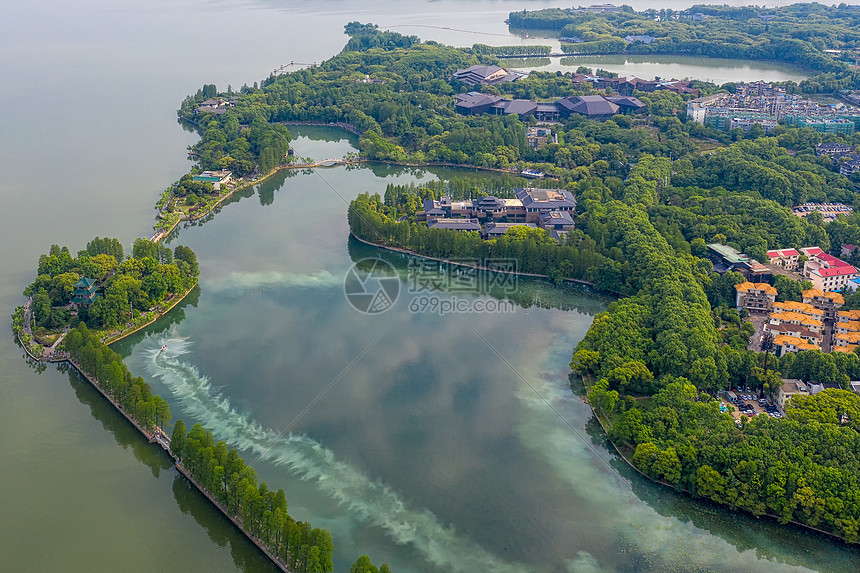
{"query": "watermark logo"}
[(372, 286), (430, 304), (463, 276), (460, 286)]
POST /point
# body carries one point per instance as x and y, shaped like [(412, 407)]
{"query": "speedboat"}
[(163, 348)]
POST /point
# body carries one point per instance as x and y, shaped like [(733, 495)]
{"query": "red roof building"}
[(786, 258), (826, 272)]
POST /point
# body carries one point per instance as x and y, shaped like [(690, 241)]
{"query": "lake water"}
[(717, 70), (447, 443)]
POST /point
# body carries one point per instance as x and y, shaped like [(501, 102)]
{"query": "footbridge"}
[(329, 162)]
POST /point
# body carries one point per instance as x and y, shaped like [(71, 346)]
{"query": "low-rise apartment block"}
[(799, 314), (798, 319), (851, 165), (844, 349), (833, 148), (847, 340), (786, 344), (826, 272), (828, 302), (755, 297), (786, 258), (847, 315), (767, 104), (795, 330), (846, 331), (846, 327)]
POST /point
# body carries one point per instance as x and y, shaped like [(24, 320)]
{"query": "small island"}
[(112, 295)]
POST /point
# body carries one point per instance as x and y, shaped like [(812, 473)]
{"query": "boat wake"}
[(244, 281), (365, 499)]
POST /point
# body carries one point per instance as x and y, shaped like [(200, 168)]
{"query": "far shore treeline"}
[(795, 34)]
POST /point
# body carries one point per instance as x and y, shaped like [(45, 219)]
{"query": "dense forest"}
[(796, 34), (127, 286)]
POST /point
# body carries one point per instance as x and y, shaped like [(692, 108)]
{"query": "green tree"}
[(41, 308), (106, 246), (178, 439), (182, 253), (143, 248), (363, 565)]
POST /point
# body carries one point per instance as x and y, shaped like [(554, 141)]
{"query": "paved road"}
[(758, 321), (27, 305), (828, 332)]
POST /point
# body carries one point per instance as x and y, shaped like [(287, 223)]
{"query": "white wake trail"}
[(245, 281), (368, 500)]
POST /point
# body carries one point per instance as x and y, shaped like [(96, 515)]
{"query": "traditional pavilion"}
[(85, 291)]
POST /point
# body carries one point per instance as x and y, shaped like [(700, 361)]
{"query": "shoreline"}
[(698, 498), (478, 267), (161, 235), (158, 315), (692, 55), (177, 464), (110, 340)]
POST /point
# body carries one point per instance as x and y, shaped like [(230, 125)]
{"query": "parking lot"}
[(747, 403)]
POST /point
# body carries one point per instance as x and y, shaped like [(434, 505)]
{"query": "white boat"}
[(532, 174), (163, 348)]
